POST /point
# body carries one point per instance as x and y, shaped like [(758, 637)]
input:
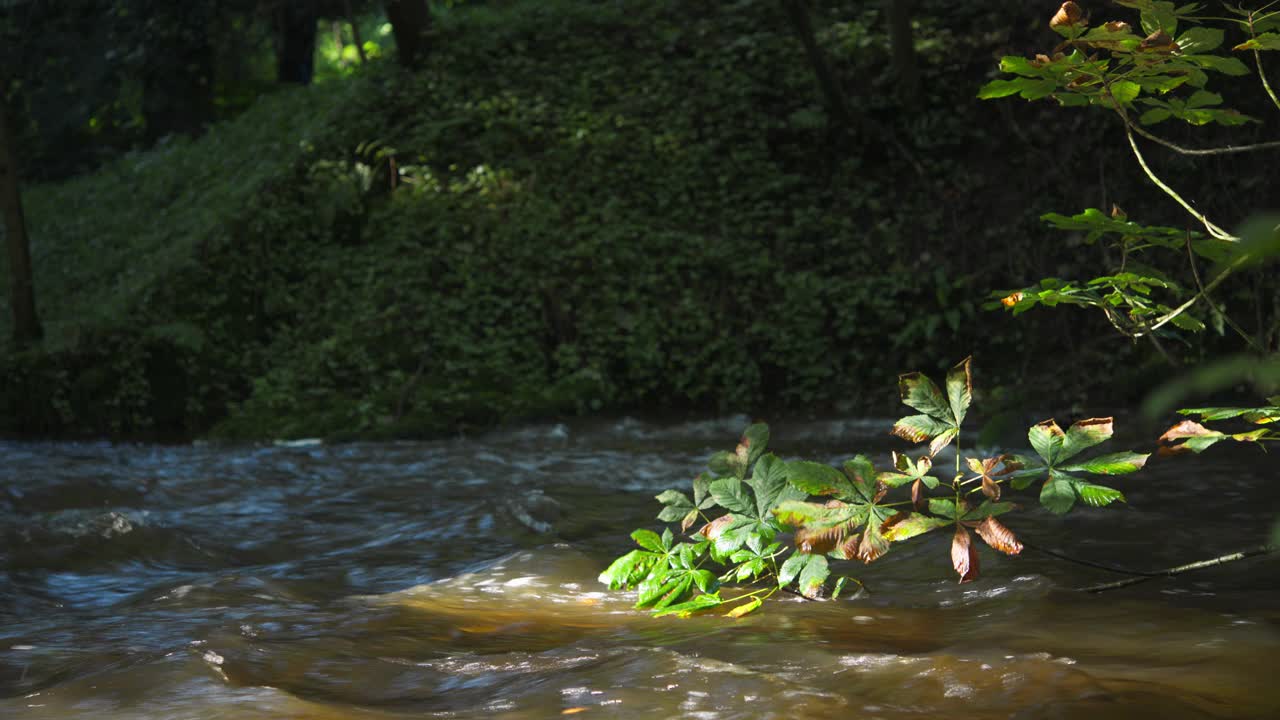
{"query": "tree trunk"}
[(902, 45), (296, 42), (355, 31), (837, 107), (411, 26), (22, 297)]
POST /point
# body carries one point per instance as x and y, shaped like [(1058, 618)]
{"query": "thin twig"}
[(1214, 230), (1257, 59), (1195, 273), (1224, 150), (1170, 572)]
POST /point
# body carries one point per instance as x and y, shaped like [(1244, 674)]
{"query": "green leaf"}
[(731, 494), (769, 480), (685, 609), (792, 567), (797, 513), (756, 438), (1218, 63), (648, 540), (1121, 463), (1154, 115), (1098, 495), (815, 572), (1058, 495), (1200, 39), (960, 389), (702, 491), (818, 479), (1027, 88), (1265, 41), (915, 525), (724, 463), (1047, 439), (674, 591), (628, 569), (919, 392), (919, 428), (1084, 434), (988, 509), (705, 580), (654, 587), (943, 507), (1125, 91)]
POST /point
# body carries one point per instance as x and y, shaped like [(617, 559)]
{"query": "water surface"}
[(458, 579)]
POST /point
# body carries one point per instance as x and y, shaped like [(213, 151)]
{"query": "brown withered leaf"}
[(873, 545), (1158, 41), (1069, 15), (1185, 429), (990, 488), (995, 534), (821, 541), (918, 499), (1116, 212), (713, 529), (964, 556), (1117, 26), (689, 519)]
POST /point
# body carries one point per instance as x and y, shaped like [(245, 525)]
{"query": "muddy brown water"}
[(458, 579)]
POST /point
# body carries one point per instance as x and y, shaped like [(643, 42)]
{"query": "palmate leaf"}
[(1197, 438), (732, 494), (1057, 494), (629, 569), (1097, 495), (813, 575), (769, 480)]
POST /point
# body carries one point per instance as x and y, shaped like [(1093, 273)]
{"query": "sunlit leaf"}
[(1098, 495), (988, 509), (937, 444), (1121, 463), (919, 392), (815, 573), (674, 591), (1057, 494), (1265, 41), (769, 480), (960, 389), (702, 491), (999, 537), (918, 428), (628, 569), (1046, 439), (964, 556), (818, 478), (792, 567), (745, 608), (1201, 39), (943, 507), (731, 494), (648, 540), (685, 609), (1084, 434), (915, 525), (688, 520), (755, 438)]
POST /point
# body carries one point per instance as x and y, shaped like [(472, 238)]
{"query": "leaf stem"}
[(1213, 229)]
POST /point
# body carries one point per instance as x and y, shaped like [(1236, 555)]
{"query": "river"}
[(457, 578)]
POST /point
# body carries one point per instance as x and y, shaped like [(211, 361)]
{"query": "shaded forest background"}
[(257, 219)]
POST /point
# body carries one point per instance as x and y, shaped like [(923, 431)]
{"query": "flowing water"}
[(458, 579)]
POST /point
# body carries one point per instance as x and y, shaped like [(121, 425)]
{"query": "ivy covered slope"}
[(749, 497), (574, 206)]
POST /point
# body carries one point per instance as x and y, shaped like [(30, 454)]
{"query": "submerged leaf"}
[(994, 533), (964, 556)]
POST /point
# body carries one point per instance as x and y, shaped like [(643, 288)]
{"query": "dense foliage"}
[(572, 206), (761, 495)]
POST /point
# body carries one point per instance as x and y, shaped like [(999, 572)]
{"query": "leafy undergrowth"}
[(573, 207)]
